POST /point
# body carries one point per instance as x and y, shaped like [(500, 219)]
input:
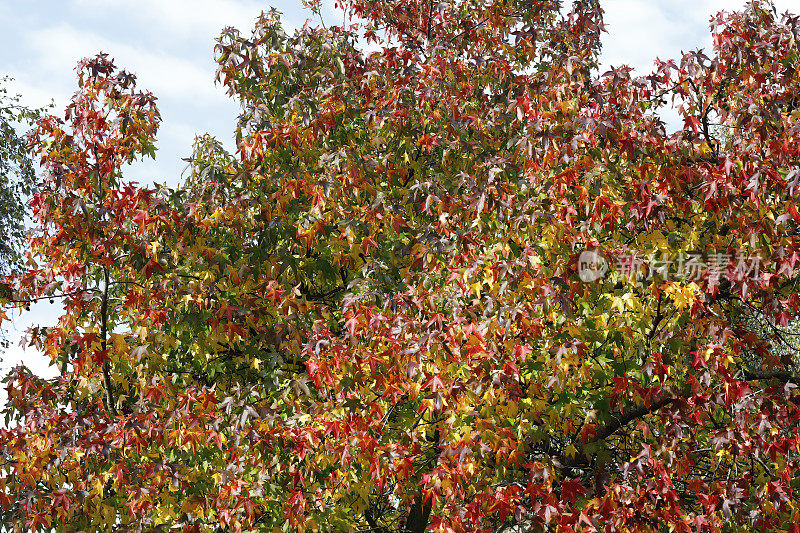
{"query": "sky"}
[(169, 44)]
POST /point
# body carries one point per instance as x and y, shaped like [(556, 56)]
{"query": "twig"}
[(104, 345)]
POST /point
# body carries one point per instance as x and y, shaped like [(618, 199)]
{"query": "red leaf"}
[(571, 490), (434, 383)]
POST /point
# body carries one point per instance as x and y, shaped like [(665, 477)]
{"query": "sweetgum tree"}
[(454, 279)]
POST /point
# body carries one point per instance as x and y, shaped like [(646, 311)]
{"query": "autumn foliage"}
[(376, 316)]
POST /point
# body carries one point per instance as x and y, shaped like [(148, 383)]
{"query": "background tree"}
[(377, 316), (17, 175)]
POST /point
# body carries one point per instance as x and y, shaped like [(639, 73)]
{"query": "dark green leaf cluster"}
[(17, 174)]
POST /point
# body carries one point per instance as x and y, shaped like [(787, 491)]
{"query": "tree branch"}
[(617, 420), (783, 375), (104, 345), (420, 511), (622, 418), (50, 297)]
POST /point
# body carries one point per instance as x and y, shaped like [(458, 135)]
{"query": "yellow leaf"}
[(571, 451), (682, 296)]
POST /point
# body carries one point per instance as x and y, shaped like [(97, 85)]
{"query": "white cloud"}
[(183, 18), (163, 74), (42, 313), (35, 95), (639, 31)]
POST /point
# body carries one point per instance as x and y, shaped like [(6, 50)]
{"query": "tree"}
[(17, 175), (458, 283)]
